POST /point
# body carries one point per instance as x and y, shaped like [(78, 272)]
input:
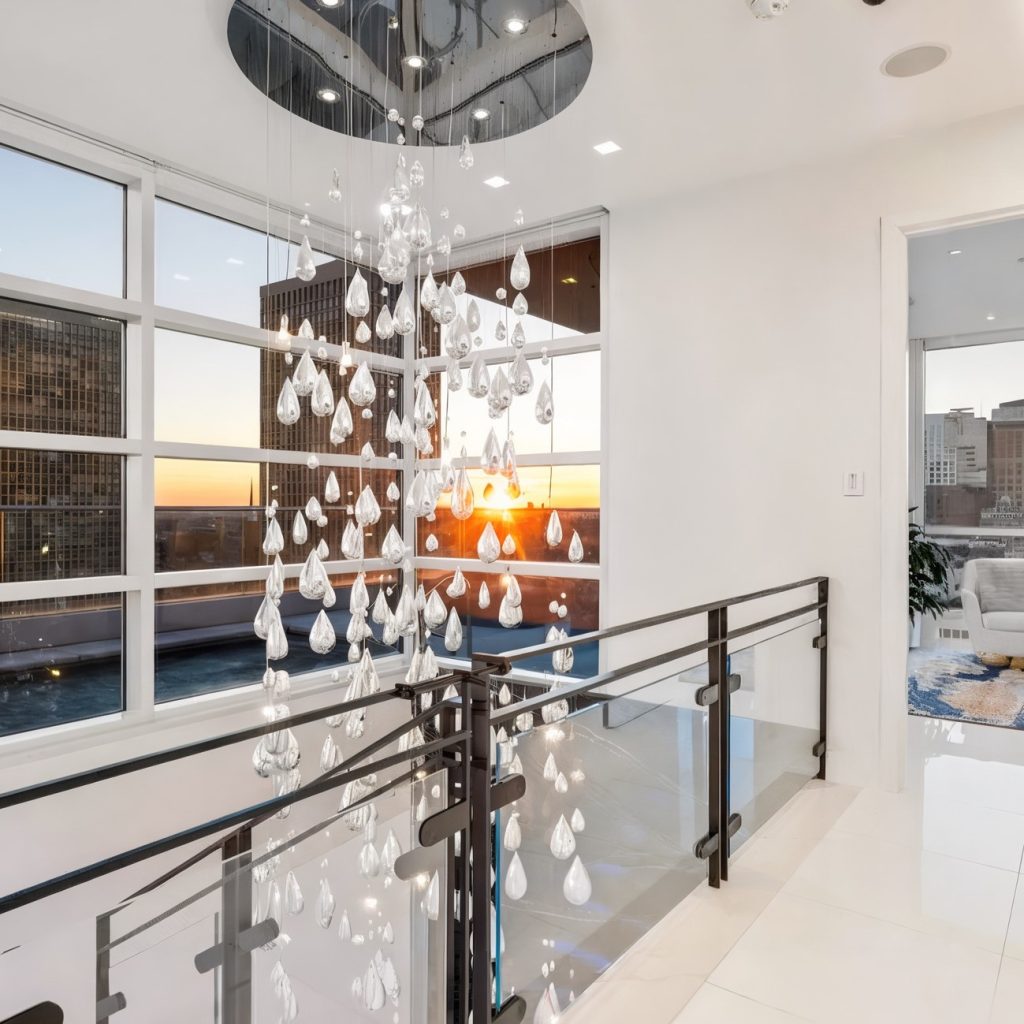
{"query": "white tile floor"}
[(854, 906)]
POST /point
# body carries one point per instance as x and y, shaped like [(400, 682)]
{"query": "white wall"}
[(746, 374)]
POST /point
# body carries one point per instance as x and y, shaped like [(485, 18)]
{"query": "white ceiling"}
[(955, 294), (693, 91)]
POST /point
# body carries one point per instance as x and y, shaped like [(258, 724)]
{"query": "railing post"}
[(822, 674), (718, 748), (102, 963), (236, 897), (479, 795)]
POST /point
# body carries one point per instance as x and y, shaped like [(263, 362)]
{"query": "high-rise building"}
[(1006, 455), (60, 512)]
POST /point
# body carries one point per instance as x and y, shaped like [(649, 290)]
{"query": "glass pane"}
[(60, 514), (60, 225), (60, 660), (208, 265), (575, 382), (574, 491), (205, 640), (482, 632), (564, 296), (211, 515), (774, 724), (60, 372), (634, 774)]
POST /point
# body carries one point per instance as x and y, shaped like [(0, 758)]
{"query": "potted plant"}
[(930, 564)]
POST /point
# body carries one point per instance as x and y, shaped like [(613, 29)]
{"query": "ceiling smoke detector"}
[(768, 8)]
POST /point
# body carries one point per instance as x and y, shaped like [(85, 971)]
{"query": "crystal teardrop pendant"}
[(431, 543), (306, 330), (457, 587), (484, 596), (550, 770), (322, 401), (334, 192), (575, 548), (330, 756), (499, 398), (549, 1010), (458, 340), (341, 425), (313, 509), (576, 888), (390, 851), (321, 636), (380, 608), (518, 336), (561, 784), (424, 413), (288, 411), (500, 331), (313, 578), (273, 543), (369, 861), (361, 389), (520, 374), (446, 304), (417, 229), (367, 509), (324, 904), (305, 265), (490, 457), (394, 259), (458, 284), (473, 315), (429, 296), (520, 306), (363, 333), (544, 410), (462, 501), (508, 545), (293, 900), (553, 533), (366, 452), (515, 879), (357, 298), (264, 618), (519, 275), (345, 929), (359, 596), (453, 632), (394, 492), (479, 377), (454, 372), (577, 822), (488, 548), (277, 639), (513, 592), (434, 613), (513, 834), (275, 579), (393, 428), (332, 489), (300, 532), (373, 989), (404, 316), (509, 615), (563, 842), (465, 154), (384, 327), (432, 900), (304, 375), (393, 548)]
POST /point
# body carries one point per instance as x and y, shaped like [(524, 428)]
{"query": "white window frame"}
[(145, 181)]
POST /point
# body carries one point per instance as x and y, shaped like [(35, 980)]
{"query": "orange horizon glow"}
[(191, 483)]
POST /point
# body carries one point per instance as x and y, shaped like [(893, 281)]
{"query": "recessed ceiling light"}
[(496, 182), (415, 61), (915, 60), (569, 280), (481, 113), (329, 3), (515, 26), (235, 261), (327, 94), (956, 252), (604, 148), (181, 277), (991, 316)]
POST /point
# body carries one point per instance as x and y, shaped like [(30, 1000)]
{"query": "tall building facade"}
[(60, 512), (1006, 456)]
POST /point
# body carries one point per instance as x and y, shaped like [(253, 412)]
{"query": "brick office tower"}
[(60, 512), (322, 302)]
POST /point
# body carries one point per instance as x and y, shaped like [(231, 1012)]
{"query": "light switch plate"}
[(853, 483)]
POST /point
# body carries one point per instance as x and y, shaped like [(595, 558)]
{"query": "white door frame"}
[(894, 472)]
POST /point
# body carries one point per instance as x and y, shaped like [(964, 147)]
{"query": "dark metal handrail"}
[(134, 764), (504, 661)]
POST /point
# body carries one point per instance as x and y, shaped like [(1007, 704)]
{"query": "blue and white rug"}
[(958, 686)]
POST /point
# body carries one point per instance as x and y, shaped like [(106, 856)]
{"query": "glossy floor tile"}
[(852, 906)]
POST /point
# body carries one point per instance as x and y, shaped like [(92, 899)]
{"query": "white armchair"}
[(992, 592)]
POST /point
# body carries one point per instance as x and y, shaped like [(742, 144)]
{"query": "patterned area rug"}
[(958, 686)]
